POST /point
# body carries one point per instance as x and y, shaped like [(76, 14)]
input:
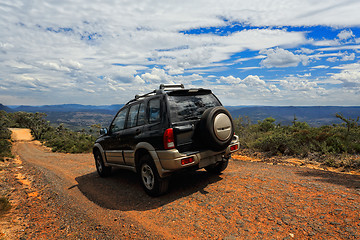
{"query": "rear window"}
[(154, 110), (132, 117), (188, 107)]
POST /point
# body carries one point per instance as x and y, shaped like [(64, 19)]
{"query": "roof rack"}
[(144, 95), (162, 88), (165, 86)]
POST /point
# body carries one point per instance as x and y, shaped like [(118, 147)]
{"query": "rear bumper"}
[(171, 160)]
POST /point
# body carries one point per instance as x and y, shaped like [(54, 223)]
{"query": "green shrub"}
[(278, 142), (5, 135), (61, 139), (267, 124), (299, 138), (5, 148)]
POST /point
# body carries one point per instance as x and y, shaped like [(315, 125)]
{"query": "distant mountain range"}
[(68, 108), (77, 115), (74, 116), (314, 115), (5, 108)]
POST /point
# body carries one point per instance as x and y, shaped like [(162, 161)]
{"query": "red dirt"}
[(61, 196)]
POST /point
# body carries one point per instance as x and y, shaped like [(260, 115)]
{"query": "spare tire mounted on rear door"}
[(216, 128)]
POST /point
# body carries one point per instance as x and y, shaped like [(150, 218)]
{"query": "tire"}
[(216, 128), (152, 183), (218, 167), (102, 170)]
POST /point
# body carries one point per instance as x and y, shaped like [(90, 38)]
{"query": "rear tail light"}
[(187, 160), (169, 139), (233, 148)]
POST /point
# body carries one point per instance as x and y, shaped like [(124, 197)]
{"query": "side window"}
[(141, 117), (119, 121), (154, 110), (133, 113)]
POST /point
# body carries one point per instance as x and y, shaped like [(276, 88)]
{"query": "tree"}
[(34, 121), (349, 122), (95, 128), (267, 124)]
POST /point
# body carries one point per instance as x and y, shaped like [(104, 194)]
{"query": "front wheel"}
[(152, 183), (218, 167), (102, 170)]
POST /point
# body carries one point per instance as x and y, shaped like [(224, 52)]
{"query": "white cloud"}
[(345, 34), (348, 57), (279, 57), (306, 75), (332, 59), (339, 48), (249, 81), (298, 84), (156, 76), (273, 88), (344, 37), (340, 56), (326, 43), (58, 48), (249, 68), (349, 76), (229, 80), (320, 67), (253, 81), (305, 51)]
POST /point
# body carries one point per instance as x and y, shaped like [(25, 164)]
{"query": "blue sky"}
[(275, 52)]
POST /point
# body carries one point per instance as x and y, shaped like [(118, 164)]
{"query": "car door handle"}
[(137, 131)]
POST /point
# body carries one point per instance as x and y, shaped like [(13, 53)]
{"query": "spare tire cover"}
[(216, 129), (222, 127)]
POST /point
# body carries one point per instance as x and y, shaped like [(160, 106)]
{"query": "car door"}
[(153, 131), (114, 151), (133, 131)]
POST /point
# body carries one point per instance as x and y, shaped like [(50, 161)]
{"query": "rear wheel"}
[(102, 170), (218, 167), (152, 183)]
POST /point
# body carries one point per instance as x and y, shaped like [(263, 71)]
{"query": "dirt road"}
[(61, 196)]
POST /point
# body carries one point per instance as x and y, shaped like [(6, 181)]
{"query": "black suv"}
[(164, 131)]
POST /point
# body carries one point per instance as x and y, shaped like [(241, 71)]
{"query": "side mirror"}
[(103, 131)]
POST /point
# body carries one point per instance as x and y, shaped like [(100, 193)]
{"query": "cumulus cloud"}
[(273, 88), (344, 37), (332, 59), (156, 76), (279, 57), (229, 80), (349, 75), (298, 84), (249, 81), (345, 34), (253, 81), (305, 51), (348, 57), (340, 56)]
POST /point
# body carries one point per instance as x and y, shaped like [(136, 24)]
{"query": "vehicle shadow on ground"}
[(348, 181), (122, 190)]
